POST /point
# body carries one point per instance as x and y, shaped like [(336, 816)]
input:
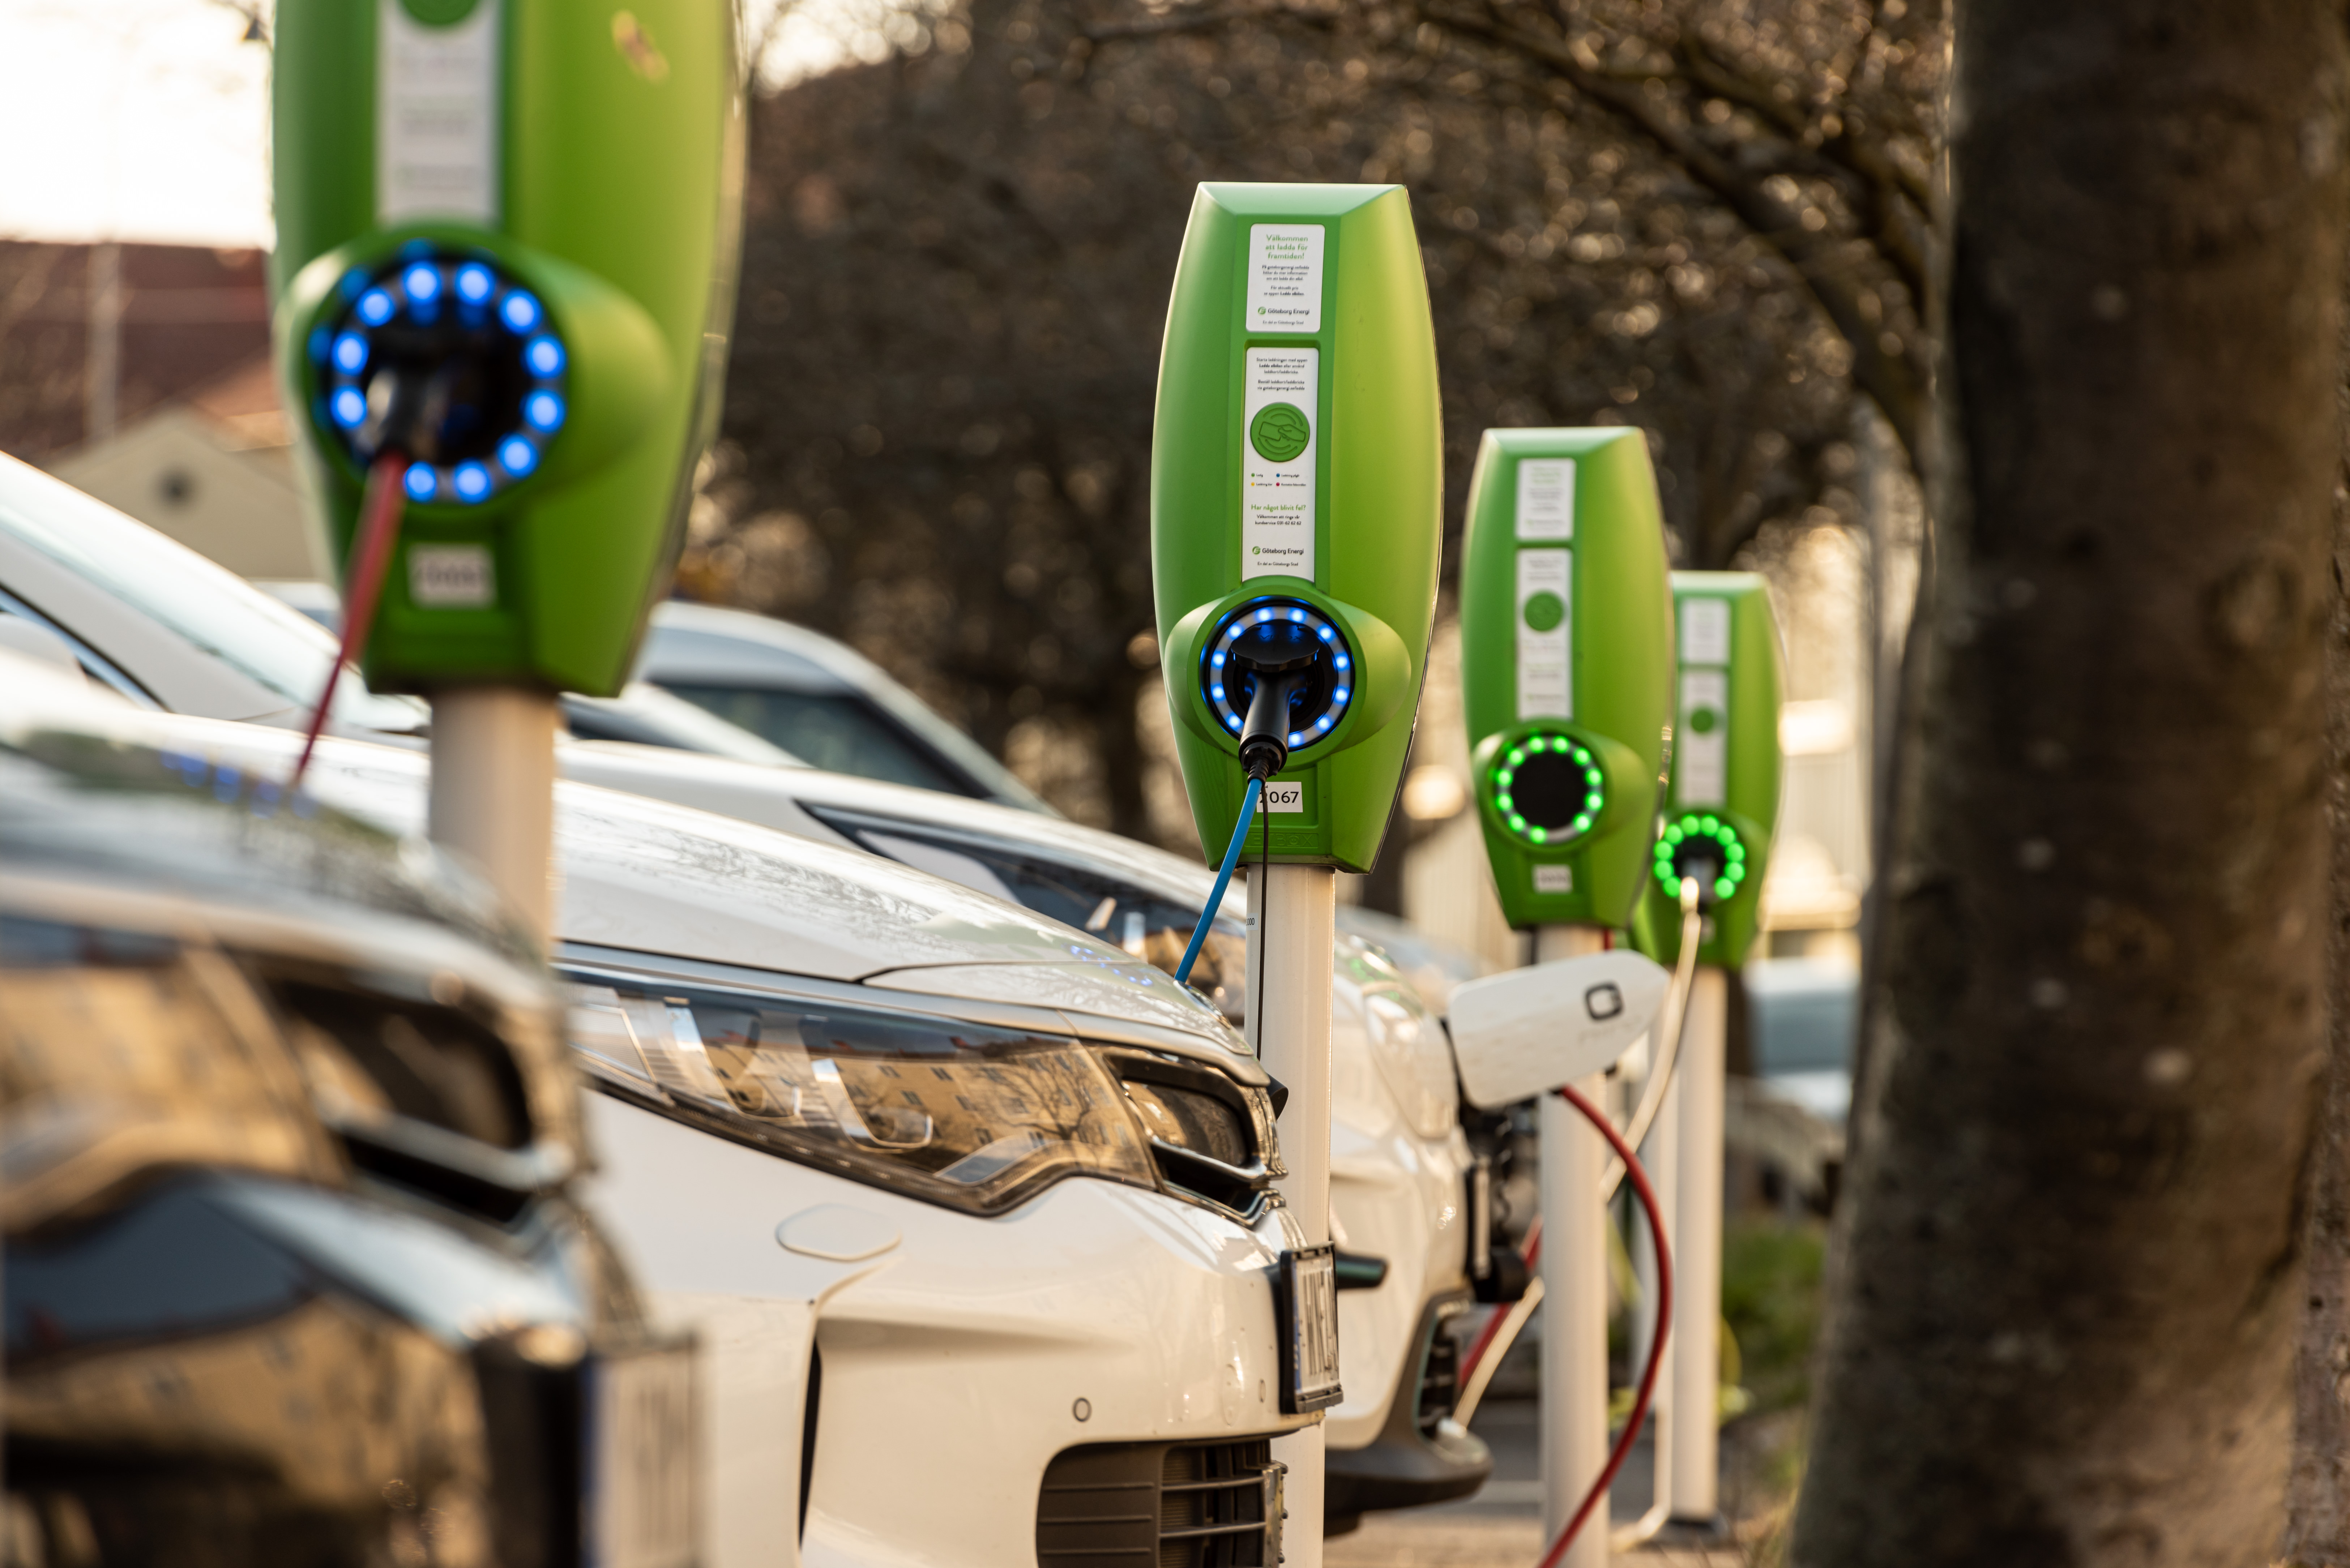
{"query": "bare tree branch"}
[(1886, 375)]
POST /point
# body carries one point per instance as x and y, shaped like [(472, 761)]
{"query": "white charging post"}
[(1689, 1450), (492, 790), (1293, 929), (1574, 1271)]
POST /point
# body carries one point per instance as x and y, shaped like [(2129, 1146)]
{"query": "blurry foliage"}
[(1698, 217), (1771, 1301)]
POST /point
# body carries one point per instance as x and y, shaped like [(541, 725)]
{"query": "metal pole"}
[(1696, 1348), (494, 791), (1293, 929), (1574, 1296)]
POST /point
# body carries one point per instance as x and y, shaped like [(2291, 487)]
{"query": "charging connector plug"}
[(1264, 742), (1279, 657)]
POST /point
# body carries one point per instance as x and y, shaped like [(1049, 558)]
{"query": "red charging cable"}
[(1532, 1251), (371, 553), (1641, 1401)]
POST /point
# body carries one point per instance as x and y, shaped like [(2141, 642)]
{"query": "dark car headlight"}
[(975, 1117)]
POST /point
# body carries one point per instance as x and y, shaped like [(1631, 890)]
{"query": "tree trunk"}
[(2317, 1502), (2070, 1273)]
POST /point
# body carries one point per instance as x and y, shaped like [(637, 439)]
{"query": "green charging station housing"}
[(1297, 466), (1566, 667), (568, 178), (1723, 797)]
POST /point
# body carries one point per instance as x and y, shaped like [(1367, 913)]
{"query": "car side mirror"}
[(1527, 1031)]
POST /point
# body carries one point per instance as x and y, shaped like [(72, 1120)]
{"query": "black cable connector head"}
[(1280, 657), (1264, 744)]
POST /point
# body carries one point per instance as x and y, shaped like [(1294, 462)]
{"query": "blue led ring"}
[(417, 286), (1224, 701)]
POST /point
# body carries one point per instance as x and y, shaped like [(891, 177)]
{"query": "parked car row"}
[(894, 1105)]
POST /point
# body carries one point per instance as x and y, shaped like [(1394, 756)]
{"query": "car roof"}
[(688, 644)]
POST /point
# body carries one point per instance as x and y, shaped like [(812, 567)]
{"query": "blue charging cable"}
[(1223, 880)]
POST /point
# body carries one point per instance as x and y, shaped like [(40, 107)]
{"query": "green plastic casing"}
[(617, 175), (1378, 499), (1726, 760), (1584, 652)]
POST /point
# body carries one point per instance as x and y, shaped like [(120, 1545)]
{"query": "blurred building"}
[(142, 373)]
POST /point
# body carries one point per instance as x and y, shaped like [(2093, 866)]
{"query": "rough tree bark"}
[(2070, 1277), (2317, 1501)]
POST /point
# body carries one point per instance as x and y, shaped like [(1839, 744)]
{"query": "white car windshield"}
[(211, 607)]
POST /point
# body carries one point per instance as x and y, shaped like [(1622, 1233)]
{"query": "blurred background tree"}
[(1698, 217)]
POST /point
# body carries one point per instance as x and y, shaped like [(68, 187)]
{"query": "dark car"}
[(294, 1275)]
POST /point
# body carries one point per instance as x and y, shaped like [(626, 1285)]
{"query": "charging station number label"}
[(451, 577), (1546, 626), (1285, 279), (1278, 409), (1284, 796)]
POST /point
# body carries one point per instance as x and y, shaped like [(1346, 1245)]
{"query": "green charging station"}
[(506, 236), (1296, 489), (1566, 667), (1722, 804)]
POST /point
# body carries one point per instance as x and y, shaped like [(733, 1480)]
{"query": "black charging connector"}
[(1264, 737), (1279, 658)]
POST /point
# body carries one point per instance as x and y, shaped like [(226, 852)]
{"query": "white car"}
[(972, 1213), (1402, 1173), (167, 627), (818, 698)]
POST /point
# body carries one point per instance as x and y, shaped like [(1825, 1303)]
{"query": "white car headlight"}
[(976, 1117)]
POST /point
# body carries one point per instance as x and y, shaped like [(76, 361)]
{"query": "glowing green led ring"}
[(1503, 782), (1694, 826)]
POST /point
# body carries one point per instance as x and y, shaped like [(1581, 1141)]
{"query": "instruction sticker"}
[(1553, 878), (1701, 737), (436, 116), (1286, 796), (451, 577), (1547, 498), (1278, 409), (1545, 679), (1285, 279), (1705, 631)]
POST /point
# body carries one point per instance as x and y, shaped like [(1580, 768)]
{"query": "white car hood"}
[(1119, 996), (645, 875)]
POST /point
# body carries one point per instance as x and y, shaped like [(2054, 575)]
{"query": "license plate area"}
[(1305, 1293), (640, 1506)]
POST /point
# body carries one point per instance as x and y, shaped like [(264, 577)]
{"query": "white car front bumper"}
[(957, 1355)]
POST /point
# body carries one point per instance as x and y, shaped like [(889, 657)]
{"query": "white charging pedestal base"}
[(493, 795), (1695, 1349), (1293, 929), (1660, 1157), (1575, 1295)]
